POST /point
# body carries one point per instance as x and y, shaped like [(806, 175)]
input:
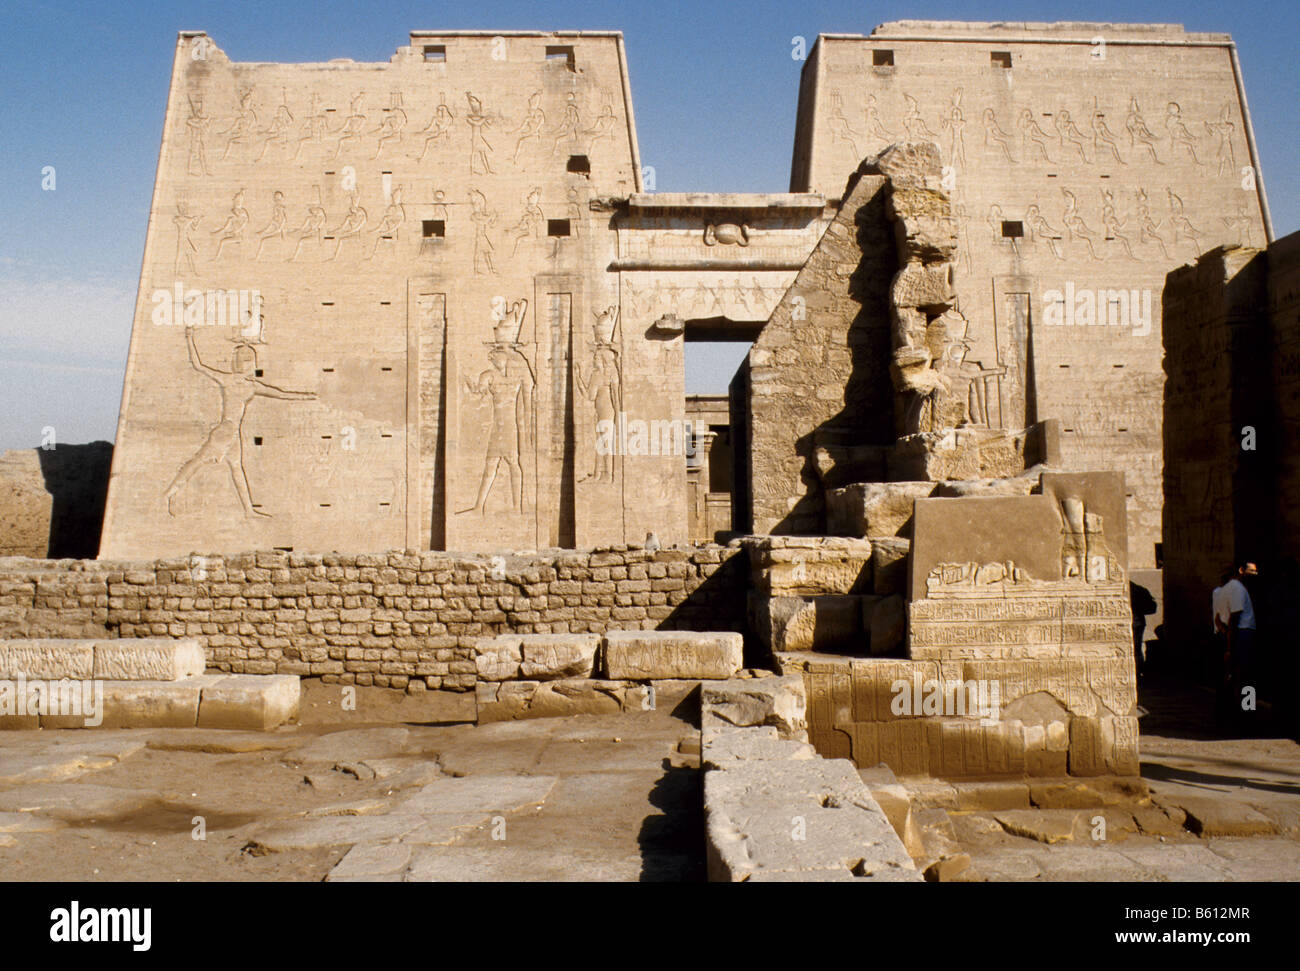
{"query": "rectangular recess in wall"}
[(1000, 59), (882, 58), (435, 53), (561, 54)]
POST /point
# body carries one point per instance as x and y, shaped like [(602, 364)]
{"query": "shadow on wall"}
[(76, 476), (857, 437)]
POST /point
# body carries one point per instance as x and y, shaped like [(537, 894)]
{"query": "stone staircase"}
[(133, 683)]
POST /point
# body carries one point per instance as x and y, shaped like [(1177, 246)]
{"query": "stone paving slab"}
[(148, 659)]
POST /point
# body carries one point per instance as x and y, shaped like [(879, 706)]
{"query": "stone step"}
[(651, 655), (249, 702), (117, 659)]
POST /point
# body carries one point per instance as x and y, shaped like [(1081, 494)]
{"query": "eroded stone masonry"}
[(391, 310)]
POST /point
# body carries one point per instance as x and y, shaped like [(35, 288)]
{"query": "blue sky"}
[(713, 85)]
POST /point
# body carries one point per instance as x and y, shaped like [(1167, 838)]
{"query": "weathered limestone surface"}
[(371, 619), (148, 659), (258, 703), (656, 655), (779, 702), (47, 659), (536, 657), (803, 566), (26, 507)]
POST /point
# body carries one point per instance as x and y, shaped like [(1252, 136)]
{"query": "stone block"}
[(803, 566), (927, 287), (148, 659), (156, 704), (499, 658), (808, 623), (249, 701), (889, 566), (48, 659), (781, 702), (652, 655), (550, 656), (875, 509), (722, 750)]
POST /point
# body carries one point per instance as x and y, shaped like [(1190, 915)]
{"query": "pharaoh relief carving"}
[(1148, 225), (439, 126), (1223, 130), (913, 124), (187, 224), (954, 123), (602, 385), (875, 127), (1183, 228), (483, 217), (531, 127), (1075, 227), (508, 386), (223, 445), (1085, 554), (1043, 231), (1112, 225), (480, 149), (1069, 134), (232, 230), (196, 126)]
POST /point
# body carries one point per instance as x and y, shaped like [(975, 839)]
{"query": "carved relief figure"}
[(1138, 132), (602, 385), (570, 123), (954, 123), (508, 385), (187, 225), (994, 135), (839, 126), (438, 126), (483, 218), (603, 126), (351, 227), (1112, 224), (479, 147), (315, 127), (1030, 133), (224, 443), (1178, 131), (244, 126), (1224, 128), (278, 130), (313, 226), (232, 230), (276, 226), (1075, 227), (1242, 223), (1178, 219), (1069, 133), (1039, 226), (1147, 225), (533, 221), (197, 125), (532, 125), (391, 128), (913, 123), (390, 222), (354, 125), (1102, 136), (875, 127)]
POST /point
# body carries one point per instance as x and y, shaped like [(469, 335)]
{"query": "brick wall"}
[(381, 619)]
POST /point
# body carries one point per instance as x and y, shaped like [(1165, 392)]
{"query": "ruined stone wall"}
[(52, 499), (381, 619), (1214, 324), (1081, 159), (818, 374)]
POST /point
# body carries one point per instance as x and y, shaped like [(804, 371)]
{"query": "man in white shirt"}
[(1241, 631)]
